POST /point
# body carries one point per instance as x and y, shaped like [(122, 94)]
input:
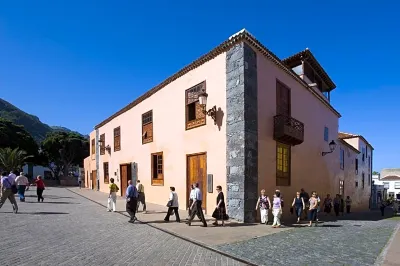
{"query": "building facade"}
[(361, 189), (238, 117), (390, 179)]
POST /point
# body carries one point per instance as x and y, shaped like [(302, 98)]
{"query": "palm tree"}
[(12, 159)]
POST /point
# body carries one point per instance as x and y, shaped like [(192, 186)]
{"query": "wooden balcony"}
[(288, 130)]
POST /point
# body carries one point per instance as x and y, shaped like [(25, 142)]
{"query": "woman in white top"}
[(173, 206)]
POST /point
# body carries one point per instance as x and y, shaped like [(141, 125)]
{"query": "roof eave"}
[(243, 35)]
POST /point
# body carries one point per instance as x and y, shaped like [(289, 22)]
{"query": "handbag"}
[(169, 203)]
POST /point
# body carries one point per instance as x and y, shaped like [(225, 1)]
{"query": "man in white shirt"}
[(141, 196), (196, 206), (22, 182), (192, 196)]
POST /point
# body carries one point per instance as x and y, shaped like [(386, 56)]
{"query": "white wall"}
[(37, 170), (393, 186)]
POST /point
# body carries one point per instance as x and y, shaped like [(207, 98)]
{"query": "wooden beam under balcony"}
[(288, 130)]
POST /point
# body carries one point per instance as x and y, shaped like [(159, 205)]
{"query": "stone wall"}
[(242, 132)]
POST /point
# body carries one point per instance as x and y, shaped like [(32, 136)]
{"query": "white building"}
[(361, 189), (390, 179), (34, 170)]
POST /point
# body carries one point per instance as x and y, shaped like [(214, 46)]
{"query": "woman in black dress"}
[(220, 210)]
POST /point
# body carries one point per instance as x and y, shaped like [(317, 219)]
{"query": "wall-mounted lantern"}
[(332, 147), (203, 102), (107, 148)]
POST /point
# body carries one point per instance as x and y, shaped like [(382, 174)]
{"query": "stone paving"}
[(332, 243), (69, 230)]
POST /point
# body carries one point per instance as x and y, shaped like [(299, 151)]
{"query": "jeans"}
[(299, 211), (312, 214), (21, 192)]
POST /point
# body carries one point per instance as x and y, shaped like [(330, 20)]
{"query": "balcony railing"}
[(288, 130)]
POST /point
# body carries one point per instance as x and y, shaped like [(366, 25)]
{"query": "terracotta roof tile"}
[(390, 178), (343, 135)]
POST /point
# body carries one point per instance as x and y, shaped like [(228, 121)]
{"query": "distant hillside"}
[(32, 123)]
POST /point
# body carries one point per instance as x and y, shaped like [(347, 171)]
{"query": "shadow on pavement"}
[(40, 213), (52, 202), (47, 197)]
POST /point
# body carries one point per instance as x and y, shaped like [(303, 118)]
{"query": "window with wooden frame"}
[(117, 139), (283, 154), (147, 127), (106, 173), (194, 113), (102, 144), (93, 146), (283, 99), (157, 169)]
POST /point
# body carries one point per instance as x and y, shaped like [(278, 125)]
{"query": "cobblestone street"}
[(69, 230), (332, 243)]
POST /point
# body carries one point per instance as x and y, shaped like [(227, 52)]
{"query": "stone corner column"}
[(241, 132)]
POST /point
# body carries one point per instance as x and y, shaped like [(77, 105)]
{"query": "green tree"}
[(64, 149), (14, 136), (12, 159), (375, 173)]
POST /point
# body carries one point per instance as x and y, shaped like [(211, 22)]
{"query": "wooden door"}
[(197, 173), (125, 170), (94, 180)]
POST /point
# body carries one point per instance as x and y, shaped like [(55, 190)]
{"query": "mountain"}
[(32, 123)]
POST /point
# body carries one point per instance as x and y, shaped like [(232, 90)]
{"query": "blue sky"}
[(74, 63)]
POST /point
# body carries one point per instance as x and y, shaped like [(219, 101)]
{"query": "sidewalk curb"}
[(382, 255), (175, 235)]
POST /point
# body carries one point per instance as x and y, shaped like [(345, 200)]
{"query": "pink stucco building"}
[(264, 125)]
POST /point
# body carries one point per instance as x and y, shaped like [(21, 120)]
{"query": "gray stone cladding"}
[(241, 132)]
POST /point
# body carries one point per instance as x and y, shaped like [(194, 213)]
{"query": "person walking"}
[(264, 204), (220, 210), (39, 188), (196, 206), (141, 197), (306, 198), (348, 204), (192, 196), (277, 210), (22, 183), (336, 204), (312, 212), (131, 201), (299, 206), (7, 184), (328, 204), (112, 196), (13, 175), (173, 206), (316, 219)]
